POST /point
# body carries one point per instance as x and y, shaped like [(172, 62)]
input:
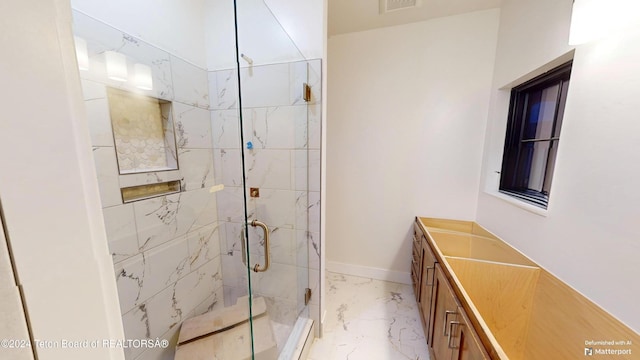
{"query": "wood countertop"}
[(518, 309)]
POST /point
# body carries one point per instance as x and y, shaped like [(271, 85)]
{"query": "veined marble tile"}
[(232, 293), (276, 208), (212, 303), (308, 249), (277, 282), (273, 127), (130, 277), (314, 170), (198, 208), (225, 94), (267, 168), (235, 273), (300, 174), (307, 126), (136, 324), (190, 83), (217, 166), (306, 170), (198, 286), (193, 127), (231, 205), (204, 245), (196, 167), (314, 132), (157, 220), (167, 217), (366, 318), (283, 246), (266, 85), (302, 210), (231, 165), (225, 129), (170, 145), (234, 236), (314, 211), (314, 285), (308, 211), (146, 275), (164, 311), (120, 225), (302, 248), (107, 169)]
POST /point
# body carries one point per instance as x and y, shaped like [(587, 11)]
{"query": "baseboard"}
[(369, 272)]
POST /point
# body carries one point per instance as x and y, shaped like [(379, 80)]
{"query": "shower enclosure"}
[(209, 178)]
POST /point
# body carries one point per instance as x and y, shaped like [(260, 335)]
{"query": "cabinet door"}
[(416, 260), (445, 312), (464, 341), (426, 291)]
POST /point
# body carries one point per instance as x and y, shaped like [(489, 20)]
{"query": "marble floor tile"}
[(370, 319)]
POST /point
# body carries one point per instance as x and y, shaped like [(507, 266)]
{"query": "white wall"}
[(303, 22), (589, 236), (260, 36), (174, 26), (48, 186), (406, 117)]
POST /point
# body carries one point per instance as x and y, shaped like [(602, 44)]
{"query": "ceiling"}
[(347, 16)]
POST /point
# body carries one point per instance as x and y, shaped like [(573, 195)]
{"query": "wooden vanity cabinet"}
[(445, 311), (426, 287), (486, 300), (464, 342), (452, 336), (416, 260)]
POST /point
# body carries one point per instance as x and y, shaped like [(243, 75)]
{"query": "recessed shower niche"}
[(142, 131)]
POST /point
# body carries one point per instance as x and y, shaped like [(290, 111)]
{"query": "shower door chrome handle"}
[(267, 249)]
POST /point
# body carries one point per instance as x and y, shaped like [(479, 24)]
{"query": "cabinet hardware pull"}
[(450, 332), (267, 247), (426, 281), (444, 324)]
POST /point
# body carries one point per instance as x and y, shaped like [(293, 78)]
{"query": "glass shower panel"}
[(278, 94)]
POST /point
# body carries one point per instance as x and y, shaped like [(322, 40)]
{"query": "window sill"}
[(519, 203)]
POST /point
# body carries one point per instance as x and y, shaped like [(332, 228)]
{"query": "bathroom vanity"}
[(480, 298)]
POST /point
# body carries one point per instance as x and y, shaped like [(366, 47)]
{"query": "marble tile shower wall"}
[(166, 250), (285, 164)]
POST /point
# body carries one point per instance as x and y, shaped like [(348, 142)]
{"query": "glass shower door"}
[(278, 91)]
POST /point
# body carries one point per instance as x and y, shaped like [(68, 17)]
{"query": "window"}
[(533, 134)]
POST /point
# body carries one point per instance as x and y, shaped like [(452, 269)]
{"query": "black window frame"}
[(514, 178)]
